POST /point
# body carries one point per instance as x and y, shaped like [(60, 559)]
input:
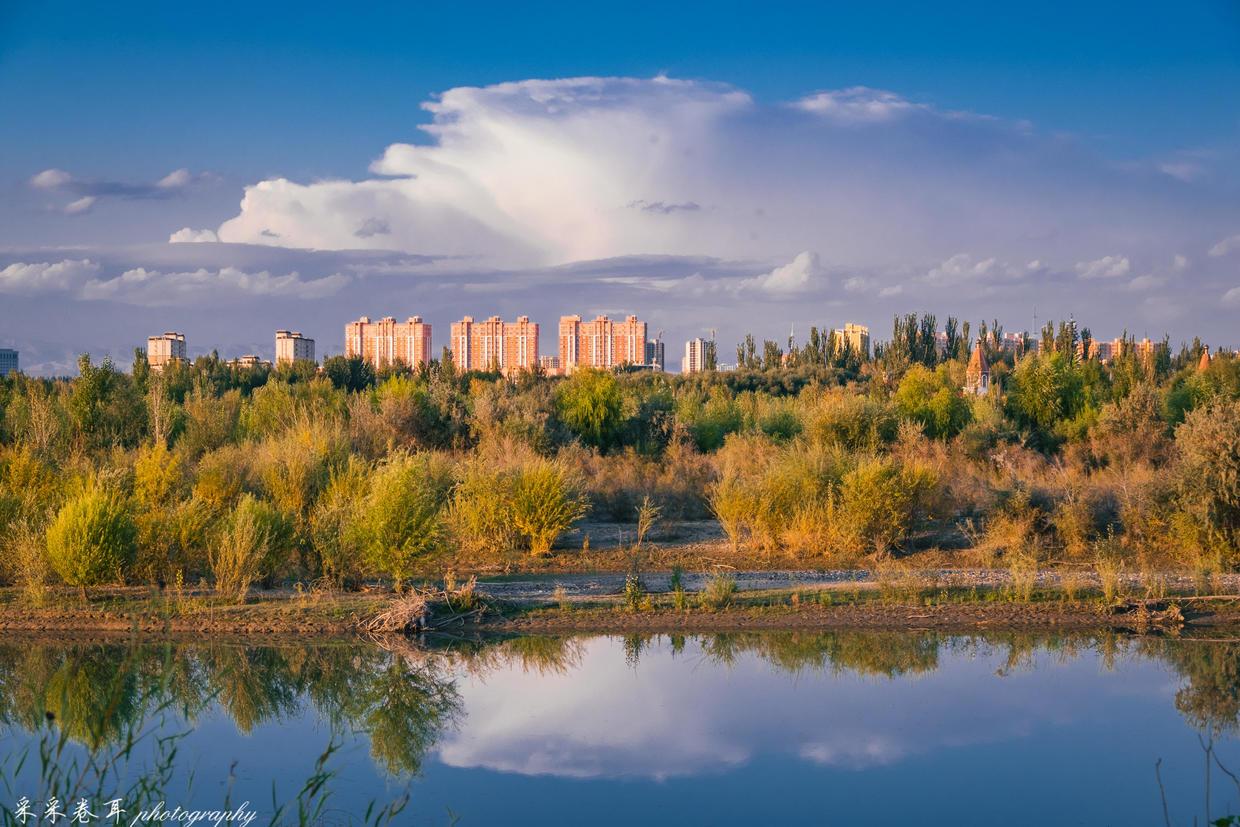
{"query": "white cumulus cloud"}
[(1107, 267), (188, 235), (804, 271), (1227, 245), (964, 268), (50, 179), (545, 172), (46, 277), (857, 104), (156, 288), (81, 205)]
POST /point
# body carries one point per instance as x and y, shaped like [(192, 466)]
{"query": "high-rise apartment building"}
[(168, 347), (654, 354), (855, 337), (293, 347), (493, 344), (694, 360), (601, 343), (8, 361), (389, 342)]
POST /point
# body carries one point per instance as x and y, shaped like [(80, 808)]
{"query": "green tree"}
[(349, 373), (591, 404), (1208, 471), (931, 399)]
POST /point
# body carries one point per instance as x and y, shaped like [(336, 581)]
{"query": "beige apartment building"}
[(601, 343), (694, 360), (493, 344), (165, 348), (856, 337), (292, 347), (248, 361), (389, 342)]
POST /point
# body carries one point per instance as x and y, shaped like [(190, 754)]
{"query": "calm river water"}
[(824, 728)]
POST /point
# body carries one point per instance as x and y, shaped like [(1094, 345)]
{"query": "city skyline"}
[(810, 183), (511, 348)]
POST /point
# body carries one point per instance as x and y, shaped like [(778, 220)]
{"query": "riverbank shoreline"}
[(590, 605)]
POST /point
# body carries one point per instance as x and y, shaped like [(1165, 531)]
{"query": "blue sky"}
[(1061, 102)]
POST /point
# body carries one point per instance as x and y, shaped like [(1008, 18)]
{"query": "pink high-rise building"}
[(601, 343), (389, 342), (493, 344)]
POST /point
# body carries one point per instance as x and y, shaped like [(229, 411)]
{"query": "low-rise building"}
[(388, 342), (248, 361), (292, 347), (8, 361), (165, 348)]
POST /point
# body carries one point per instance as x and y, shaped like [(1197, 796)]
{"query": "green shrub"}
[(25, 558), (93, 539), (401, 520), (481, 515), (222, 477), (343, 499), (719, 592), (712, 422), (248, 547), (850, 420), (546, 502), (879, 496), (1208, 471), (159, 476), (815, 498)]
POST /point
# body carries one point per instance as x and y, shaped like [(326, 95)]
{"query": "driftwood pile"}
[(423, 610), (1169, 612)]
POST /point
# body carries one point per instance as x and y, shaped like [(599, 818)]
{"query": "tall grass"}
[(719, 591)]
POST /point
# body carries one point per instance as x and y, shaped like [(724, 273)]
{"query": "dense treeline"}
[(822, 455)]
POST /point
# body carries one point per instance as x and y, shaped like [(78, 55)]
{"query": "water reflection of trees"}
[(404, 695), (1209, 698), (97, 693)]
